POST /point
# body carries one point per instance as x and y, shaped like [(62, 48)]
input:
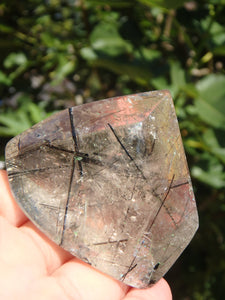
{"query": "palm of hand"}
[(32, 267)]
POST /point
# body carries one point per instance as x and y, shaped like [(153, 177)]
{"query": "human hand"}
[(33, 267)]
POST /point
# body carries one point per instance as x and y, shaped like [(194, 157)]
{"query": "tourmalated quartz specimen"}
[(108, 181)]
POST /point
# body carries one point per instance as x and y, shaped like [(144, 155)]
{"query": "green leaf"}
[(220, 51), (15, 59), (215, 177), (4, 79), (220, 153), (88, 53), (16, 121), (160, 83), (64, 68), (141, 68), (222, 2), (166, 4), (177, 75), (211, 140), (210, 171), (36, 113), (218, 33), (49, 40), (6, 29), (137, 70), (114, 3), (210, 103), (106, 38)]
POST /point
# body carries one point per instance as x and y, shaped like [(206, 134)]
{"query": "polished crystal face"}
[(108, 181)]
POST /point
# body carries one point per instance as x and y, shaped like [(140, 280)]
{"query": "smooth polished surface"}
[(108, 181)]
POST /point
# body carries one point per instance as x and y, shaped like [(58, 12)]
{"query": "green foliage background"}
[(60, 53)]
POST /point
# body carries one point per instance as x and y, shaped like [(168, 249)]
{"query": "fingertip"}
[(78, 277), (159, 291), (164, 288)]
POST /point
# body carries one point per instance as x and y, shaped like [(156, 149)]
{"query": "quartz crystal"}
[(108, 181)]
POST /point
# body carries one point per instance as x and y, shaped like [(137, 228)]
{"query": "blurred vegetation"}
[(60, 53)]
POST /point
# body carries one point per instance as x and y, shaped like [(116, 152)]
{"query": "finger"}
[(74, 277), (9, 209), (21, 261), (53, 255), (159, 291), (17, 265), (76, 280), (27, 246)]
